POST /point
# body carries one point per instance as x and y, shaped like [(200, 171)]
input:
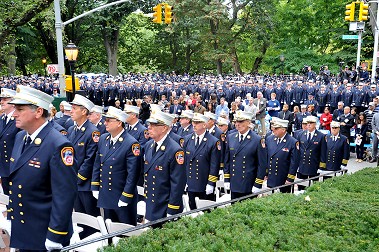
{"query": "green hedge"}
[(342, 215)]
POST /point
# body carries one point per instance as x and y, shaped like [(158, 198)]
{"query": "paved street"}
[(355, 166)]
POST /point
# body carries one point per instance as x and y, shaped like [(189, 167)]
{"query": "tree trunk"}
[(111, 47), (11, 59), (48, 41), (258, 60), (219, 66), (236, 64)]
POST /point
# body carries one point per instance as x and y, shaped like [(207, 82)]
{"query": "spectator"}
[(325, 119), (369, 113), (222, 107), (273, 106), (360, 136)]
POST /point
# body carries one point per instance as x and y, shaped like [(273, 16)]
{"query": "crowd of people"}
[(171, 135)]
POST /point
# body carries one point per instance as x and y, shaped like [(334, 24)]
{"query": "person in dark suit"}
[(347, 121), (95, 117), (297, 133), (8, 131), (84, 136), (245, 153), (285, 114), (134, 127), (42, 177), (261, 103), (312, 151), (360, 135), (202, 161), (300, 116), (176, 108), (116, 170), (164, 170), (282, 158)]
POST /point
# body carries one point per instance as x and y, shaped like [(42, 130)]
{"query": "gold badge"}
[(83, 129), (163, 148), (248, 137), (204, 139), (120, 139), (38, 141)]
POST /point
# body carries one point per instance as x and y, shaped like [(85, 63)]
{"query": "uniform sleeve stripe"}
[(212, 177), (226, 175), (259, 181), (173, 207), (57, 232), (291, 176), (128, 195), (95, 183), (81, 177), (323, 165), (344, 161)]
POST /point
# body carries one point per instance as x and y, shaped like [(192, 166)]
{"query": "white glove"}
[(255, 189), (343, 167), (50, 245), (122, 203), (168, 215), (322, 172), (95, 194), (209, 189), (227, 185), (5, 224)]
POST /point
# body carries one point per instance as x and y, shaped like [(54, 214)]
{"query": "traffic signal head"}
[(349, 13), (168, 14), (363, 12), (157, 15)]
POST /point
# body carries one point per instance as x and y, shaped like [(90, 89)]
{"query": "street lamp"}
[(44, 64), (281, 57), (71, 51)]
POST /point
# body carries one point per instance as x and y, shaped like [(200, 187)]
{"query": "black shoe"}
[(372, 160)]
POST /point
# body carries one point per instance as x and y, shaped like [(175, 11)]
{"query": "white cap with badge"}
[(29, 96), (82, 101)]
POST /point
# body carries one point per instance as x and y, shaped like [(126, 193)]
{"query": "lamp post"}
[(281, 57), (71, 51), (44, 64)]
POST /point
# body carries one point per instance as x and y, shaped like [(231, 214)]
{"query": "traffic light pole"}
[(359, 49), (376, 41)]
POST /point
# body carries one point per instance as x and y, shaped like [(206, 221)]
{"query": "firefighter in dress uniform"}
[(42, 180), (202, 160), (337, 150), (164, 170), (115, 173), (245, 153), (282, 158)]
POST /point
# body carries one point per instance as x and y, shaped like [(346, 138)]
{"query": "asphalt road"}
[(354, 166)]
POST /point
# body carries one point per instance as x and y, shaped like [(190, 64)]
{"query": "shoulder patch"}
[(222, 137), (67, 155), (96, 136), (179, 156), (181, 142), (218, 144), (136, 149), (146, 134)]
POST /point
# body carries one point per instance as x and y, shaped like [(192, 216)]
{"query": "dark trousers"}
[(86, 203), (126, 215), (5, 185), (28, 250), (302, 176), (360, 151), (201, 195)]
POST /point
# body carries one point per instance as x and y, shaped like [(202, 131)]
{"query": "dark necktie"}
[(154, 148), (309, 137), (26, 144), (110, 144), (241, 138), (5, 121), (197, 141)]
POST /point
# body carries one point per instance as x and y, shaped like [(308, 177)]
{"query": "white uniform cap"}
[(131, 109), (279, 123), (303, 106), (159, 117), (210, 115), (30, 96), (66, 106), (97, 109), (7, 93), (243, 115), (334, 124), (155, 107), (197, 117), (311, 119), (82, 101), (116, 113), (187, 114), (305, 120), (222, 121)]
